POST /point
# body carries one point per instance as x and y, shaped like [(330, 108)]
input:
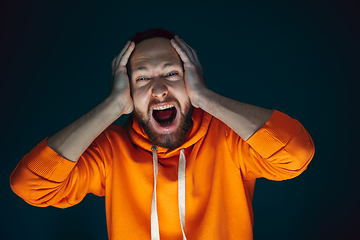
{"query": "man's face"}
[(161, 102)]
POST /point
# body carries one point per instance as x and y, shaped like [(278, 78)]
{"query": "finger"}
[(194, 54), (182, 41), (197, 59), (124, 49), (192, 51), (186, 47), (116, 60), (125, 57), (183, 55)]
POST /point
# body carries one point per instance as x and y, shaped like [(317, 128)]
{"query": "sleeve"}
[(44, 178), (280, 150)]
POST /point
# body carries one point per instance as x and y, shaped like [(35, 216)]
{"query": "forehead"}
[(153, 52)]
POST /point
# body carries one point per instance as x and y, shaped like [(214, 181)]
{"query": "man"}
[(184, 165)]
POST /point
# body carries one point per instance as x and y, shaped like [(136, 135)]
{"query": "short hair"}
[(147, 34), (152, 33)]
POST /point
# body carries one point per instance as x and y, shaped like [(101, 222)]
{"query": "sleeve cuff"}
[(45, 162), (274, 135)]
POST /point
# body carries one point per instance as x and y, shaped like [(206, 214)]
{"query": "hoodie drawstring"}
[(155, 233), (181, 190)]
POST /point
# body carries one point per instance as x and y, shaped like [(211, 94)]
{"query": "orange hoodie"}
[(214, 195)]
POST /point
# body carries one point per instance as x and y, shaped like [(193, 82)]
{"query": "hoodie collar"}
[(201, 121)]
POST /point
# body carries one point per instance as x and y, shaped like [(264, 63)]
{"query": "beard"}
[(172, 140)]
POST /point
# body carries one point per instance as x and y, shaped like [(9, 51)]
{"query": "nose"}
[(159, 89)]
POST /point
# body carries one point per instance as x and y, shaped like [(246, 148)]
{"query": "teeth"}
[(163, 107)]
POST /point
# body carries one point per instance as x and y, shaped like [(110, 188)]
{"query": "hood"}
[(201, 121)]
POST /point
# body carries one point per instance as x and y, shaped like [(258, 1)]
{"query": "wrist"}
[(201, 98), (116, 104)]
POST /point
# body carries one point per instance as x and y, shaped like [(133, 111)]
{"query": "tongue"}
[(163, 115)]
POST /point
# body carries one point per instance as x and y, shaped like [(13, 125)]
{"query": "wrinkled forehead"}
[(153, 53)]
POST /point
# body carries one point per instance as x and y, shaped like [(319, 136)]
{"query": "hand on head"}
[(120, 85), (194, 75)]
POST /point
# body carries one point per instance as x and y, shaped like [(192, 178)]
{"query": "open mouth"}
[(164, 115)]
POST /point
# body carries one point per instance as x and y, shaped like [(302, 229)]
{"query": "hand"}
[(194, 75), (120, 85)]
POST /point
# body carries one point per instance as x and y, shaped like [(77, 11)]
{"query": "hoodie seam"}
[(227, 128)]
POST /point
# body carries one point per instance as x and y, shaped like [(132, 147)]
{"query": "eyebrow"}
[(166, 65)]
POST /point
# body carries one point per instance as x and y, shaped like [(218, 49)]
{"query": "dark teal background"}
[(301, 58)]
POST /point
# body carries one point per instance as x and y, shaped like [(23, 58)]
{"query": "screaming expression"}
[(166, 125)]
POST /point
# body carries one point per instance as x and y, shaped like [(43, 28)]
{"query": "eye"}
[(171, 74), (142, 79)]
